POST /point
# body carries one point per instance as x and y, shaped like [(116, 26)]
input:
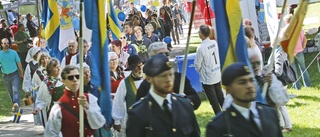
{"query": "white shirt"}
[(207, 62), (94, 116), (44, 98), (36, 81), (160, 99), (119, 107), (27, 85), (246, 113)]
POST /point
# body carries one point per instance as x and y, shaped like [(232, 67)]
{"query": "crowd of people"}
[(144, 87)]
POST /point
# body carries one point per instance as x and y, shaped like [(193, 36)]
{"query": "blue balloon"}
[(167, 40), (121, 16), (143, 8)]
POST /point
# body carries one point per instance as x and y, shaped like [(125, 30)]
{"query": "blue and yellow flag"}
[(51, 24), (113, 21), (230, 35), (100, 65), (292, 32), (17, 115)]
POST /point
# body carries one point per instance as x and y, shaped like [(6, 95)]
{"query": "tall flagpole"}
[(80, 41), (186, 52)]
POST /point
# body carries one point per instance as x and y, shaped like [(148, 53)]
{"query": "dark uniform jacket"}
[(144, 87), (147, 114), (241, 127)]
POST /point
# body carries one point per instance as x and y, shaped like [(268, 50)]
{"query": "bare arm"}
[(20, 69)]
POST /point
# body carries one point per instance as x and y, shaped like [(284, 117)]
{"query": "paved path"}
[(26, 127)]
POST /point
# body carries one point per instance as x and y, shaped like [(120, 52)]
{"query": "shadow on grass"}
[(296, 104), (303, 132), (312, 98)]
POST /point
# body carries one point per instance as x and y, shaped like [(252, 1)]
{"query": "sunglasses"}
[(6, 43), (71, 77), (122, 37)]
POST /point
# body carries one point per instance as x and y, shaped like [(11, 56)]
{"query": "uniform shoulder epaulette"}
[(179, 95), (136, 103)]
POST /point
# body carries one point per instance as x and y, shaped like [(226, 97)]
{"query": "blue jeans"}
[(12, 82), (299, 58)]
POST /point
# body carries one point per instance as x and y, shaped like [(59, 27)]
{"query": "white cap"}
[(33, 51)]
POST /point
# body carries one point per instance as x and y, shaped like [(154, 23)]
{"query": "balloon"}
[(143, 8), (121, 16), (167, 40), (117, 11), (156, 3)]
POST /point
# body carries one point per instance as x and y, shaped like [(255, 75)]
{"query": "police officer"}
[(161, 113), (244, 118)]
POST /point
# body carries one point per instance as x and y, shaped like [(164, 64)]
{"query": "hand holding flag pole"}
[(275, 46), (186, 52)]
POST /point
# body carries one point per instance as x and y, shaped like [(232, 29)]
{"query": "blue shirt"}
[(8, 61)]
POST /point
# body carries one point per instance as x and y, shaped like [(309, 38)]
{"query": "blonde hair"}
[(212, 35), (250, 43), (41, 55)]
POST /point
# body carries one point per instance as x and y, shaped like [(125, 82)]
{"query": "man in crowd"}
[(207, 63), (87, 55), (5, 32), (161, 112), (32, 27), (128, 29), (126, 93), (244, 118), (64, 115), (21, 38), (14, 27), (72, 50), (10, 63), (161, 48)]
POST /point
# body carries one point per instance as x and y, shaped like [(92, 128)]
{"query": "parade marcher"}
[(128, 29), (10, 63), (141, 44), (32, 27), (88, 86), (39, 76), (177, 19), (149, 34), (161, 48), (64, 116), (50, 90), (5, 31), (43, 44), (161, 112), (116, 46), (87, 55), (72, 50), (165, 19), (207, 63), (245, 117), (127, 47), (126, 94), (31, 68), (116, 71), (14, 27), (22, 39)]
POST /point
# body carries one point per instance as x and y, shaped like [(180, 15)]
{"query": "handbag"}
[(288, 74), (27, 100)]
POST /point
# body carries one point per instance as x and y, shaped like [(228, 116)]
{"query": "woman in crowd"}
[(50, 90), (165, 19), (39, 76), (116, 72), (32, 66), (149, 33), (126, 47), (116, 47), (249, 32)]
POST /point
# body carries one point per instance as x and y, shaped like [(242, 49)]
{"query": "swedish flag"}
[(230, 35), (113, 21), (51, 24), (101, 75)]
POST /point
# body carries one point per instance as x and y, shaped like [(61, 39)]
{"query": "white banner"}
[(271, 15)]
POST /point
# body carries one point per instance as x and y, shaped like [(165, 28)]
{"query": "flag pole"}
[(186, 52), (80, 41), (275, 46)]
